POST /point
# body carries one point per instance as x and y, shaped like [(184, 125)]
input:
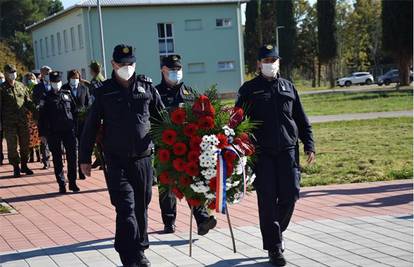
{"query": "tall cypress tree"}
[(287, 36), (327, 40), (251, 39), (397, 26)]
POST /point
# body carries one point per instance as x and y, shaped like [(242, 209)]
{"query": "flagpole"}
[(102, 37)]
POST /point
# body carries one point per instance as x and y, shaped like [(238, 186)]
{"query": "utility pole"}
[(102, 37)]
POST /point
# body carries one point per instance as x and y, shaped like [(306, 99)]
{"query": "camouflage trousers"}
[(17, 134)]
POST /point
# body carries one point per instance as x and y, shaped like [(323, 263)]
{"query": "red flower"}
[(244, 137), (178, 116), (237, 141), (164, 155), (177, 193), (206, 122), (202, 106), (179, 165), (169, 136), (223, 140), (212, 184), (212, 205), (191, 168), (229, 156), (164, 178), (195, 142), (190, 129), (180, 149), (185, 181), (236, 117), (193, 155), (194, 202)]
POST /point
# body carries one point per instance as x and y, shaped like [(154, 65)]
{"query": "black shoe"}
[(169, 229), (143, 260), (73, 187), (26, 170), (207, 225), (276, 257), (127, 262), (16, 172), (62, 188), (46, 165), (82, 176), (96, 164)]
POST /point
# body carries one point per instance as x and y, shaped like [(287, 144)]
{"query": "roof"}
[(121, 3)]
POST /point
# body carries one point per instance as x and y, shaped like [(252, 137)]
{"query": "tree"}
[(327, 42), (397, 38), (287, 36), (251, 39), (268, 21)]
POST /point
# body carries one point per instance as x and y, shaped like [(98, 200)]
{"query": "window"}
[(225, 65), (59, 43), (72, 38), (36, 53), (223, 23), (65, 40), (80, 36), (196, 67), (165, 39), (193, 25), (42, 53), (52, 44), (47, 46)]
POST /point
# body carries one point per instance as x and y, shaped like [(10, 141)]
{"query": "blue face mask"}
[(175, 75)]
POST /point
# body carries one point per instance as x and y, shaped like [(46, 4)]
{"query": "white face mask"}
[(74, 82), (12, 76), (270, 69), (30, 82), (2, 80), (126, 72), (56, 86), (175, 76)]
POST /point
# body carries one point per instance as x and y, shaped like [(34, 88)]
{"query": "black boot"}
[(62, 188), (207, 225), (143, 260), (81, 175), (73, 187), (169, 229), (96, 164), (38, 158), (26, 170), (16, 171), (46, 165), (276, 257)]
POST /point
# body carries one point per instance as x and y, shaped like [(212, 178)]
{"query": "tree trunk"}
[(313, 74), (331, 74), (404, 67), (319, 73)]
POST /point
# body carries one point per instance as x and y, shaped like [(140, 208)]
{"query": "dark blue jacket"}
[(173, 96), (125, 113), (276, 106)]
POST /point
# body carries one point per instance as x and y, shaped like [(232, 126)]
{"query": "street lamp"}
[(277, 36)]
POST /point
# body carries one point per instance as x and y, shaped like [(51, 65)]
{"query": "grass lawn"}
[(339, 103), (361, 151)]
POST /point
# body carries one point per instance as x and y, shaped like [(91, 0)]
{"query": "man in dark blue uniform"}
[(174, 92), (125, 104), (275, 103), (57, 121)]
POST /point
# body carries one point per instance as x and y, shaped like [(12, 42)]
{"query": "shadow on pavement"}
[(49, 195), (382, 201)]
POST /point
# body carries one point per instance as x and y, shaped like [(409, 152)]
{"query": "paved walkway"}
[(361, 116), (367, 224)]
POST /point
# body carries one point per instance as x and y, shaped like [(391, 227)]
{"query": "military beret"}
[(123, 54), (9, 68), (172, 61), (94, 64), (268, 51), (55, 76)]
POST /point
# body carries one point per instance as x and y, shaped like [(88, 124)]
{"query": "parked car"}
[(356, 78), (392, 76)]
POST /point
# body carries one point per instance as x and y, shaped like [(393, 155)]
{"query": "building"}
[(207, 33)]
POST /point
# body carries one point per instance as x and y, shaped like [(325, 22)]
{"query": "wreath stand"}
[(191, 231)]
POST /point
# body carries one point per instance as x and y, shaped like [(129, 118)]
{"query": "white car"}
[(356, 78)]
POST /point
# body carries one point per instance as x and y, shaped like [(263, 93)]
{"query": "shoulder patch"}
[(97, 84), (144, 78)]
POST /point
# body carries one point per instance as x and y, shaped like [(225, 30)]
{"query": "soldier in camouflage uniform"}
[(14, 99)]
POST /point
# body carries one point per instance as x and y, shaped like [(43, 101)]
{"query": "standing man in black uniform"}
[(275, 103), (57, 121), (125, 103), (173, 92)]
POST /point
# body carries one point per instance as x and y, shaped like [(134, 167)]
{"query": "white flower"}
[(204, 145), (228, 131), (205, 138), (209, 196)]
